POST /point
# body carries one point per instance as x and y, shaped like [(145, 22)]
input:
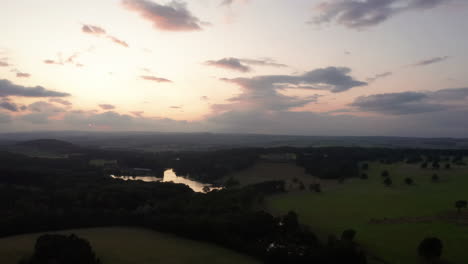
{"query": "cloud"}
[(204, 98), (155, 79), (9, 89), (430, 61), (100, 32), (4, 63), (379, 76), (241, 65), (333, 79), (405, 103), (69, 60), (51, 62), (107, 106), (23, 75), (138, 113), (5, 103), (60, 101), (173, 16), (175, 107), (262, 94), (367, 13), (93, 30), (118, 41), (230, 64)]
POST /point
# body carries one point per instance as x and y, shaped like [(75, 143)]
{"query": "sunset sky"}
[(302, 67)]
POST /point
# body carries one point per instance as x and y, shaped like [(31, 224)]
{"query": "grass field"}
[(354, 203), (129, 246), (268, 171)]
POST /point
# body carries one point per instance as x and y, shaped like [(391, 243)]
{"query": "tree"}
[(62, 249), (435, 165), (315, 187), (409, 181), (430, 250), (424, 165), (364, 176), (388, 181), (365, 166), (447, 166), (460, 204), (301, 186), (435, 178), (385, 173)]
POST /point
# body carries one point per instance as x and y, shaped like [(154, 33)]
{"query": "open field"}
[(354, 203), (268, 171), (131, 245)]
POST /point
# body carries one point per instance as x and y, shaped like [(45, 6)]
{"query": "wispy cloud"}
[(155, 79), (174, 16), (242, 65), (430, 61), (100, 32), (23, 75), (107, 106), (379, 76), (367, 13)]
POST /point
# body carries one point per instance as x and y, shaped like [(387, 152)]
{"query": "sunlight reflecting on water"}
[(170, 176)]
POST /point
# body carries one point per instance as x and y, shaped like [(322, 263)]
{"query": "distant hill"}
[(46, 146)]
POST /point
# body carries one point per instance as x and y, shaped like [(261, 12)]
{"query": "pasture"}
[(390, 221), (120, 245)]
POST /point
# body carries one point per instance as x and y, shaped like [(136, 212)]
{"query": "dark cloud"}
[(204, 98), (23, 75), (262, 93), (333, 79), (430, 61), (9, 89), (60, 101), (8, 105), (4, 64), (107, 106), (379, 76), (242, 64), (412, 102), (367, 13), (173, 16), (155, 79)]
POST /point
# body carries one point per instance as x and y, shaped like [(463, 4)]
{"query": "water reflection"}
[(170, 176)]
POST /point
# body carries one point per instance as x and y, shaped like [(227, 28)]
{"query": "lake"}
[(170, 176)]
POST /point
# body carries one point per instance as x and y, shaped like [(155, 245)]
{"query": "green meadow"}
[(131, 245), (355, 202)]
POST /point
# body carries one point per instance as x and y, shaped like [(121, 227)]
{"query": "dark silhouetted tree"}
[(460, 204), (448, 166), (385, 173), (364, 176), (435, 178), (388, 181), (61, 249), (424, 165), (409, 181), (430, 250), (365, 166)]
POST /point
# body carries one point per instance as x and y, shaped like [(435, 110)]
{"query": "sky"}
[(299, 67)]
